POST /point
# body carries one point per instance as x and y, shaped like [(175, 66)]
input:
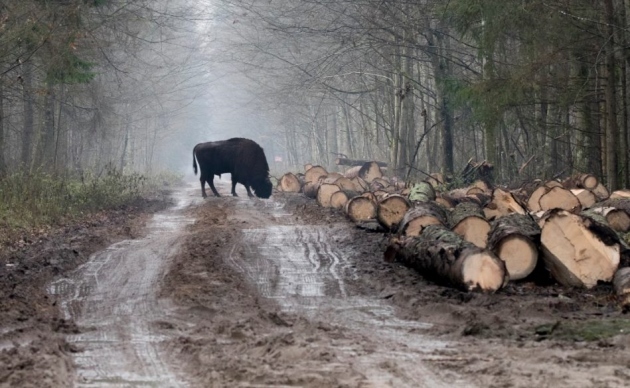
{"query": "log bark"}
[(369, 171), (361, 209), (576, 251), (515, 239), (289, 183), (501, 204), (616, 211), (310, 189), (325, 192), (468, 221), (391, 211), (314, 173), (422, 192), (441, 256), (355, 162), (421, 215)]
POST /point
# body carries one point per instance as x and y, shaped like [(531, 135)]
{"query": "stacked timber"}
[(442, 256), (515, 239)]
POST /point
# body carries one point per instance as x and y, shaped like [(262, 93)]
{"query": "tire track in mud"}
[(304, 270), (113, 299)]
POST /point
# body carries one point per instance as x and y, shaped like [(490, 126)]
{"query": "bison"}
[(243, 158)]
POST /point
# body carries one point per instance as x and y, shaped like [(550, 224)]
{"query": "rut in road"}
[(113, 299), (305, 270)]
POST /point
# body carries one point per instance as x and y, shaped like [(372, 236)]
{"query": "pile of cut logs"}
[(480, 237)]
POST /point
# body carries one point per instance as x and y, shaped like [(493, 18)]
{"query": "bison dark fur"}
[(243, 158)]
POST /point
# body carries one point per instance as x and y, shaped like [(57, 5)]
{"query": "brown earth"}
[(283, 293)]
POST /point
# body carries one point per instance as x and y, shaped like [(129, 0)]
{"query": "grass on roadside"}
[(31, 200)]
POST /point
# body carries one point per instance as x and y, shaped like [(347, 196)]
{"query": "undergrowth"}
[(31, 199)]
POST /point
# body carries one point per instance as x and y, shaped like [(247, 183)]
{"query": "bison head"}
[(262, 187)]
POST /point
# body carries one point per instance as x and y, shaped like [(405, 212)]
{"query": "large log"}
[(339, 199), (515, 239), (289, 183), (314, 173), (440, 255), (325, 192), (576, 251), (559, 198), (468, 221), (369, 171), (361, 209), (391, 211), (355, 162), (421, 215)]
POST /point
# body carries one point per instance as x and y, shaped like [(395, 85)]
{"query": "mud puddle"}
[(113, 300), (307, 270)]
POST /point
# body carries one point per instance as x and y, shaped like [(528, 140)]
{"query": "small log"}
[(352, 172), (621, 283), (581, 181), (289, 183), (422, 214), (442, 256), (355, 162), (586, 197), (620, 194), (559, 198), (574, 254), (515, 239), (601, 192), (391, 211), (616, 211), (331, 177), (551, 184), (360, 185), (398, 182), (501, 204), (314, 173), (307, 167), (369, 171), (339, 199), (361, 209), (474, 190), (325, 192), (422, 192), (370, 195), (468, 221)]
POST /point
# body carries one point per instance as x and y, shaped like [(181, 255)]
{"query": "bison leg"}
[(249, 193), (234, 187), (202, 179), (211, 184)]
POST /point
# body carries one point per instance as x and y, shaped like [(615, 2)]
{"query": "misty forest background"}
[(537, 88)]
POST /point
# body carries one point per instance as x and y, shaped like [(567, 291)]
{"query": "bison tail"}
[(194, 163)]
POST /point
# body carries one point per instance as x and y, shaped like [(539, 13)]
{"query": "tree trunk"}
[(442, 256), (612, 130), (3, 160), (29, 120)]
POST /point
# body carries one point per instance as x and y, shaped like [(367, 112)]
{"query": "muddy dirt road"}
[(246, 292)]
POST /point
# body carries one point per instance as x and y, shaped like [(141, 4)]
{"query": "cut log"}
[(307, 167), (310, 189), (422, 214), (398, 182), (370, 195), (581, 181), (515, 239), (586, 197), (289, 183), (552, 184), (314, 173), (331, 177), (573, 253), (501, 204), (354, 162), (369, 171), (422, 192), (346, 184), (339, 199), (468, 221), (533, 202), (560, 198), (325, 192), (474, 190), (616, 211), (441, 256), (621, 283), (601, 192), (360, 185), (352, 172), (391, 211), (361, 209), (620, 194)]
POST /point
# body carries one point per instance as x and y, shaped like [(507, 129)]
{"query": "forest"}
[(537, 89)]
